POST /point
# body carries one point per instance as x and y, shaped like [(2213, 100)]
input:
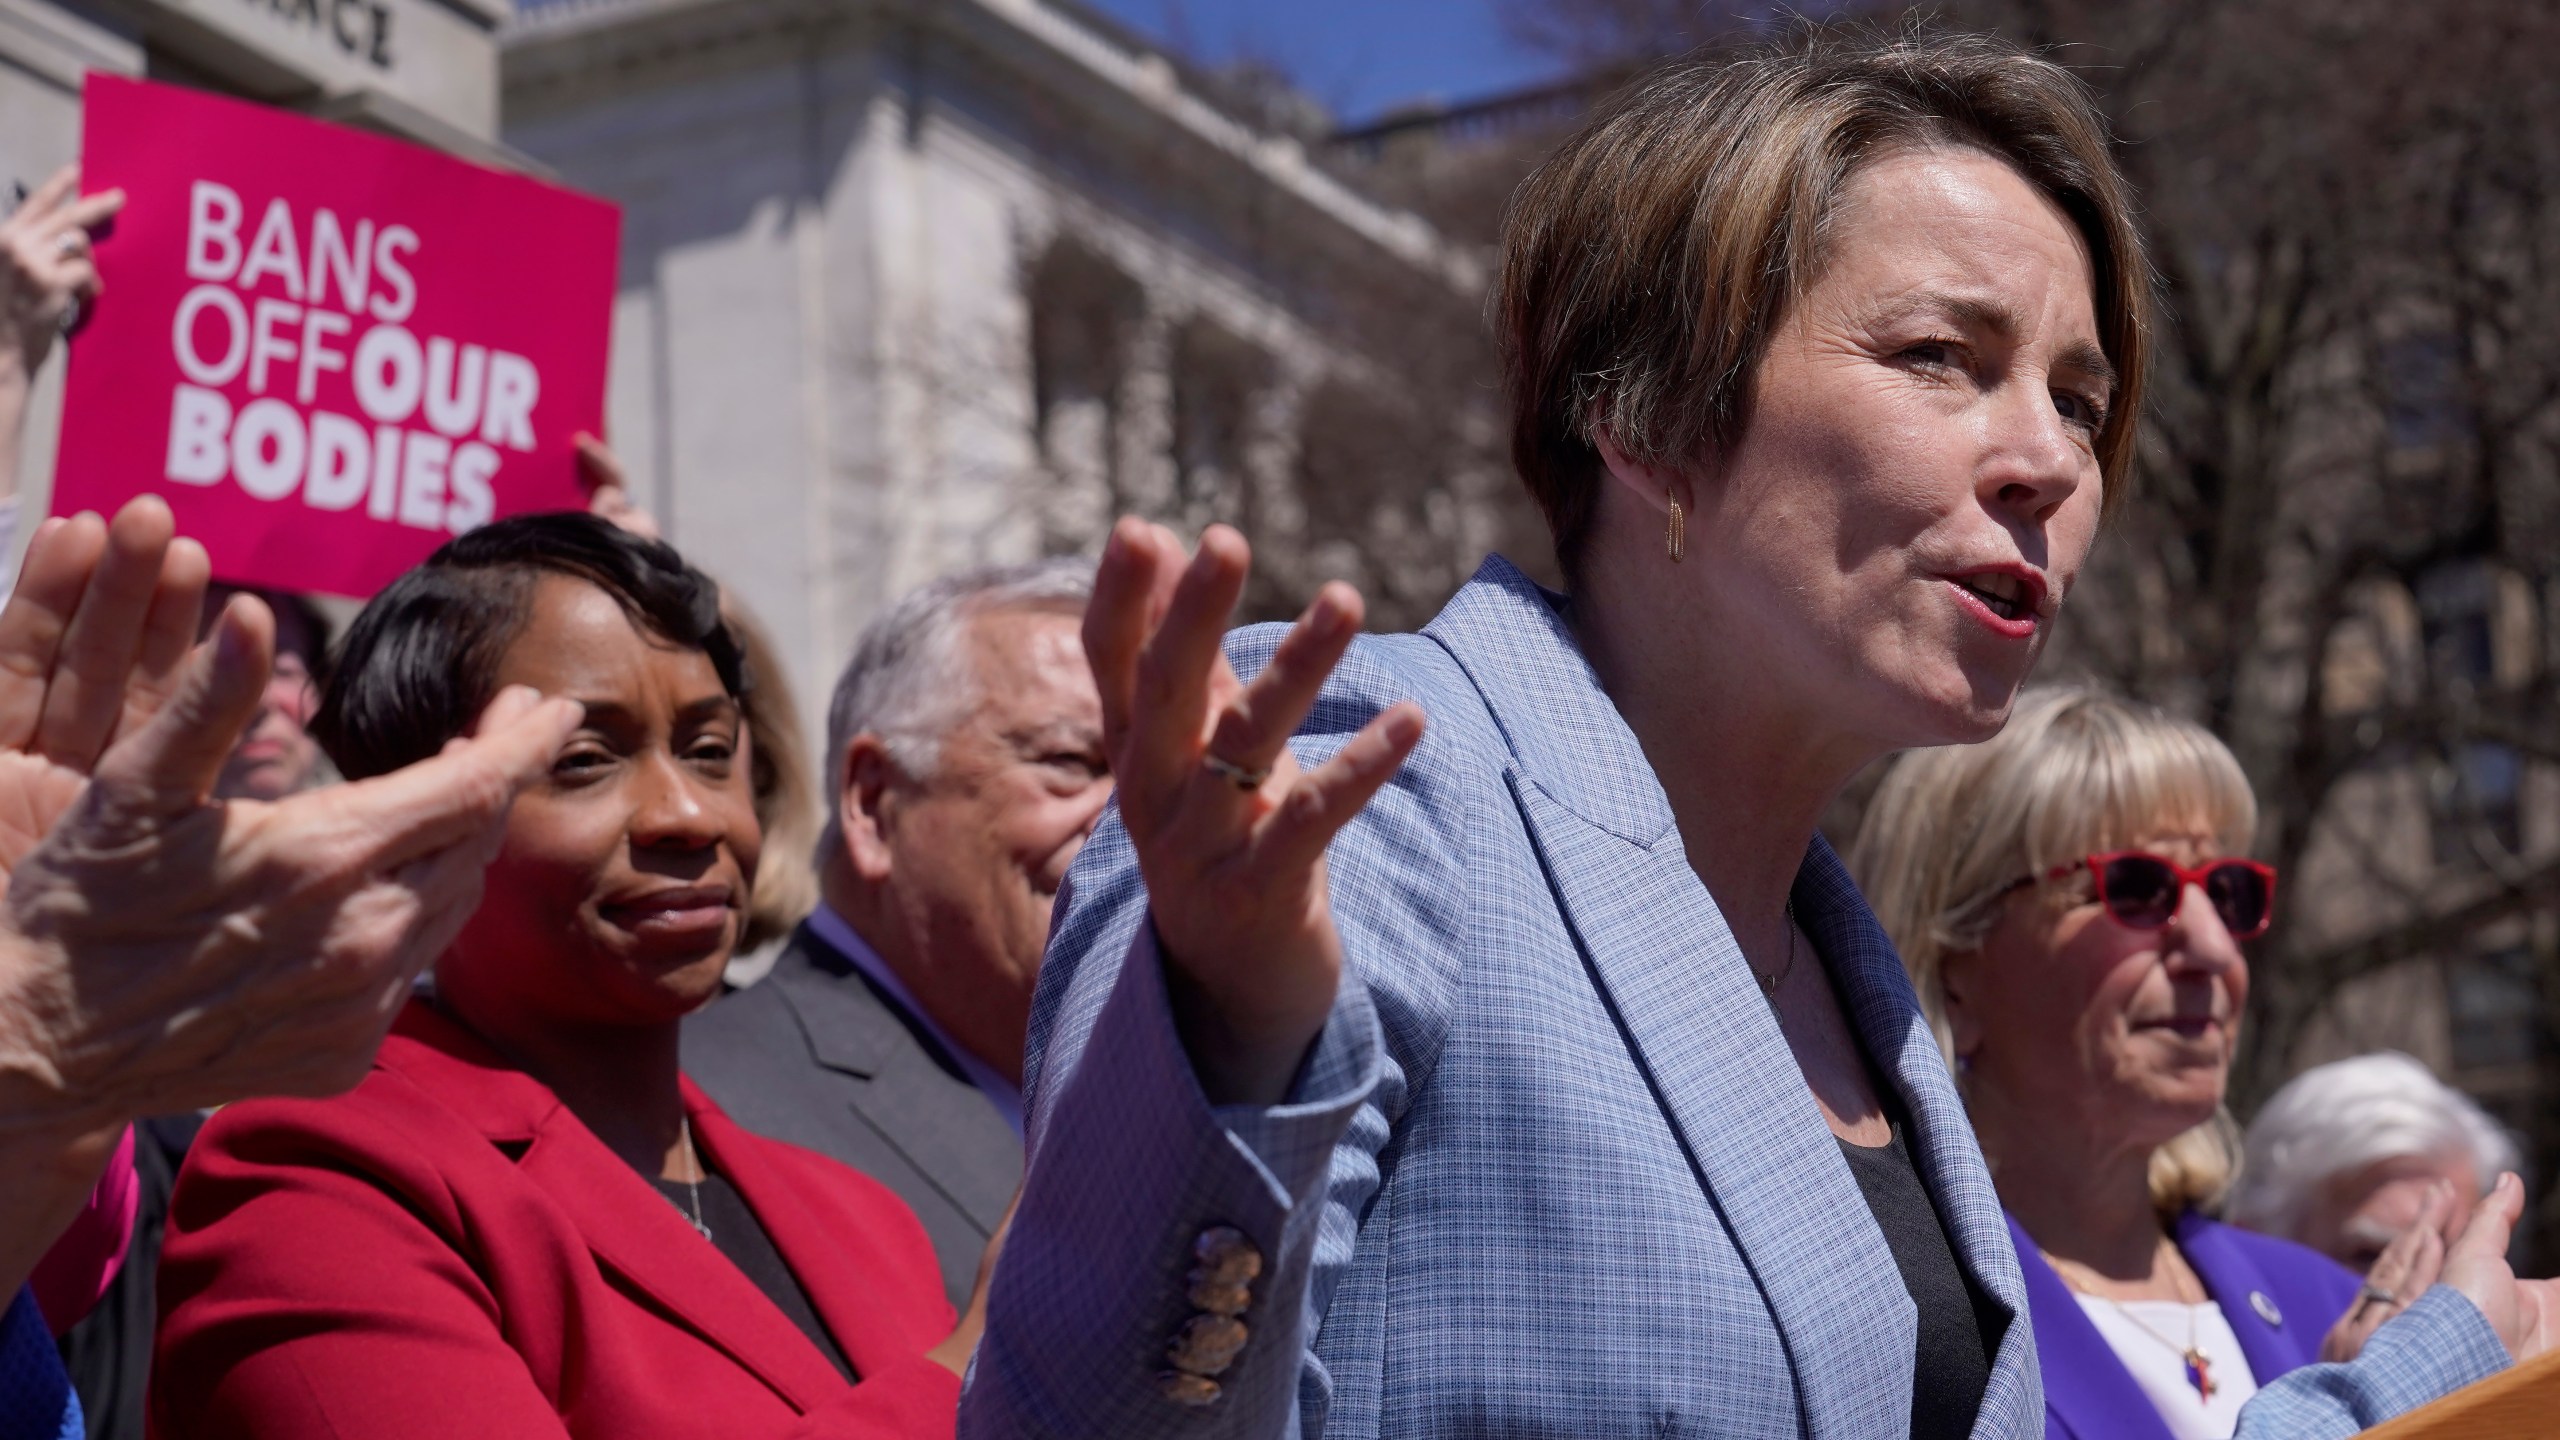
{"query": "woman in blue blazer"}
[(2071, 901), (1544, 1074)]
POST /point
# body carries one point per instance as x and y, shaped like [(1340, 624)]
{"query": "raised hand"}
[(91, 645), (2525, 1313), (46, 274), (2400, 1274), (160, 950), (1230, 832)]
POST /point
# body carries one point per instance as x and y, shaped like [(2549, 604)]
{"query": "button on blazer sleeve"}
[(1130, 1165)]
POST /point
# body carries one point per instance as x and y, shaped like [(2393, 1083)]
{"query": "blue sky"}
[(1357, 56)]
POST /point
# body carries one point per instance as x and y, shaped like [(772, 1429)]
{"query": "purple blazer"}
[(2280, 1298)]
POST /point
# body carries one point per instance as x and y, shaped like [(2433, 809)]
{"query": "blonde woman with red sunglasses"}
[(2073, 903)]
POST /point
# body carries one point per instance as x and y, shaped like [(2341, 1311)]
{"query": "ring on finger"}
[(1235, 774), (71, 242), (2369, 1292)]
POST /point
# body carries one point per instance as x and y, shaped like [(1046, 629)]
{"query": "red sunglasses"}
[(2143, 891)]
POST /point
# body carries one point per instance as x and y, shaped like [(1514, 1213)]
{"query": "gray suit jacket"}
[(814, 1055)]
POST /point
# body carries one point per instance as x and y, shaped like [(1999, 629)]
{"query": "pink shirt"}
[(84, 1261)]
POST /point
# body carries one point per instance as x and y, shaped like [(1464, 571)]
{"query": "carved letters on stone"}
[(361, 28)]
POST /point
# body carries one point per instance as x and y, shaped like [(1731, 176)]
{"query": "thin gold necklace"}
[(2199, 1364)]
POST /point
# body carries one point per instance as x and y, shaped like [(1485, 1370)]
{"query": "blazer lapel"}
[(632, 1230), (845, 1035), (627, 1225), (833, 1262), (1876, 991), (1693, 1016), (1696, 1023), (894, 1084), (2087, 1389)]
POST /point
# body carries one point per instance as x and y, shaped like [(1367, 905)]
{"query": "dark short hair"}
[(1646, 264), (421, 662)]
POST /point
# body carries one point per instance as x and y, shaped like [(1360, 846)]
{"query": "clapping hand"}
[(1230, 832), (161, 950), (2412, 1261), (2525, 1313)]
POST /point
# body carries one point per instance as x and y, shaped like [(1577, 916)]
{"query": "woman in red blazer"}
[(524, 1222)]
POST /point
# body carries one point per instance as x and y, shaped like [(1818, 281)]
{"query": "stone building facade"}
[(913, 284)]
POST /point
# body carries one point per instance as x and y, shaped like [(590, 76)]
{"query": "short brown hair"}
[(1647, 262)]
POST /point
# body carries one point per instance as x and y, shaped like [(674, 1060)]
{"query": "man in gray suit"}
[(965, 766)]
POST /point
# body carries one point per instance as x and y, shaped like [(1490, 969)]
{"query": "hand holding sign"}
[(328, 351)]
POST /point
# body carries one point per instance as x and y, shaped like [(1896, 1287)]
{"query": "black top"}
[(736, 1233), (815, 1055), (1959, 1326)]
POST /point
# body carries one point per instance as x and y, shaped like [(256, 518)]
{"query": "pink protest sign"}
[(329, 351)]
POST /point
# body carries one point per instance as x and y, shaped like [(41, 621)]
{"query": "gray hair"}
[(2338, 1118), (909, 680)]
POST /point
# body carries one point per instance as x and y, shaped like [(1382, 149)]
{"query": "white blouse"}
[(2160, 1367)]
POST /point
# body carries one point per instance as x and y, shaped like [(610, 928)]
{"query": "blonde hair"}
[(786, 887), (2077, 771)]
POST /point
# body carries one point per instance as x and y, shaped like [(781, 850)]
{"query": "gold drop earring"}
[(1677, 539)]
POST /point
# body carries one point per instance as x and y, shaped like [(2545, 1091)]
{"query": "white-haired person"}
[(2071, 898), (2341, 1159)]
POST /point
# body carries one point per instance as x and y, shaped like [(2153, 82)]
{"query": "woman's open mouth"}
[(2003, 600), (2005, 595)]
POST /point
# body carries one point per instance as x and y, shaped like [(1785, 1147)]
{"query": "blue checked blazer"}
[(1550, 1169)]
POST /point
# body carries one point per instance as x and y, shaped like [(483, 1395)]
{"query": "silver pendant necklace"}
[(693, 1177)]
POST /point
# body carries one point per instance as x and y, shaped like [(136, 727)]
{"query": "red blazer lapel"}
[(838, 1239), (628, 1226)]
